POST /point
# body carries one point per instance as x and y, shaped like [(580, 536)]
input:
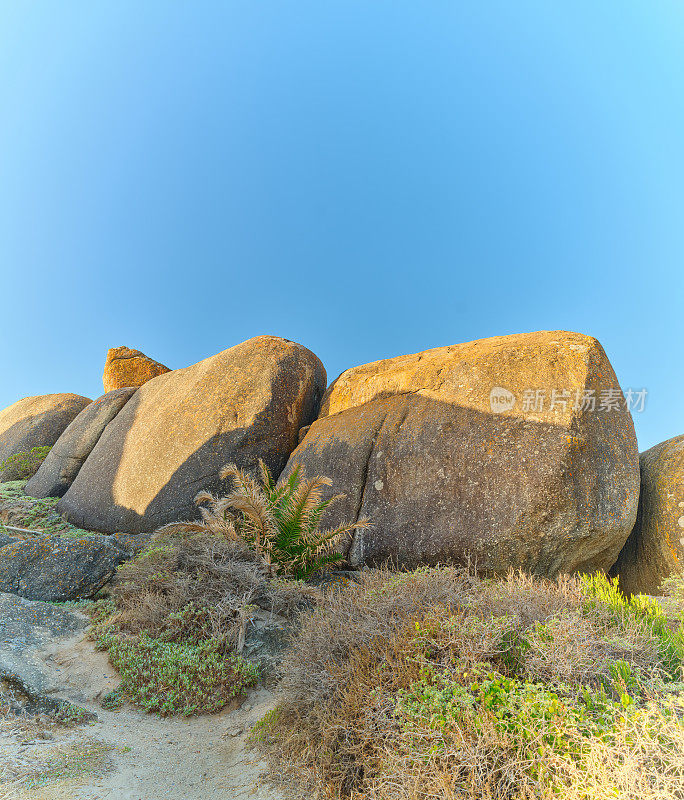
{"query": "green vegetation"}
[(435, 684), (172, 677), (179, 614), (113, 700), (22, 466), (70, 714), (23, 511), (281, 523), (12, 490)]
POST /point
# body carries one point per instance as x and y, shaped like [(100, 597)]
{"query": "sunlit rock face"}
[(63, 462), (36, 422), (459, 454), (179, 429), (655, 548), (126, 367)]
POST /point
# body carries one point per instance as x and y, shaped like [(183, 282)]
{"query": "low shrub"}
[(177, 616), (436, 684), (187, 587), (24, 465)]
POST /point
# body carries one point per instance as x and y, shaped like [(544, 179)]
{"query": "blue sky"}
[(366, 178)]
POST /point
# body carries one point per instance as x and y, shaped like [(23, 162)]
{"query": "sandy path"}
[(149, 758), (178, 759)]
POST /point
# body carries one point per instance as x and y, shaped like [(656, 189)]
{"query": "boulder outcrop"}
[(655, 548), (61, 466), (172, 438), (56, 568), (29, 634), (36, 422), (489, 451)]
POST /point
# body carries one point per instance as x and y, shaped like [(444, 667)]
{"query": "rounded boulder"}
[(63, 462), (36, 422), (655, 548), (174, 435), (515, 451)]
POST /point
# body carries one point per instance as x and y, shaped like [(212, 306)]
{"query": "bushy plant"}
[(191, 585), (436, 684), (189, 597), (648, 611), (280, 522), (24, 465)]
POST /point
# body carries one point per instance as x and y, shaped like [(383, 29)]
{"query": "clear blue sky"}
[(366, 177)]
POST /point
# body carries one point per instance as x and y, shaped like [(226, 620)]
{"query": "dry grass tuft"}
[(215, 581), (39, 751), (435, 684)]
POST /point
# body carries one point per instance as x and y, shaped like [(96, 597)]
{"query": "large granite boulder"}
[(56, 568), (471, 452), (36, 422), (57, 472), (176, 433), (655, 548), (126, 367)]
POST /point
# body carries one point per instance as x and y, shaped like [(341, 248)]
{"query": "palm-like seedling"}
[(282, 522)]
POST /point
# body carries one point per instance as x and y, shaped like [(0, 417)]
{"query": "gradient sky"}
[(368, 178)]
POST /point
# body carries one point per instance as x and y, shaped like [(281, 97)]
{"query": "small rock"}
[(125, 367)]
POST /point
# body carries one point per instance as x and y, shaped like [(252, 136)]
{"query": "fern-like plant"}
[(281, 522)]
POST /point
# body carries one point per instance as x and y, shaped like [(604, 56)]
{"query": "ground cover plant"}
[(436, 684), (17, 509), (24, 465), (176, 619)]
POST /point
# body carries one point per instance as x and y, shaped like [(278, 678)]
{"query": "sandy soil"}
[(128, 754)]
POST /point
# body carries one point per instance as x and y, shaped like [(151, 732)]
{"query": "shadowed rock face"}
[(655, 547), (440, 451), (176, 433), (56, 568), (125, 367), (37, 422), (63, 462)]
